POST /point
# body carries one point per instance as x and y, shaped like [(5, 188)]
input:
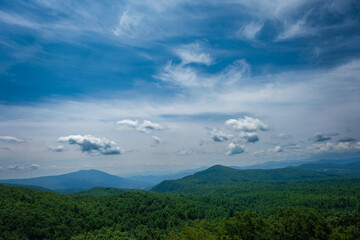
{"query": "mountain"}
[(295, 163), (352, 168), (78, 181), (222, 175), (152, 180)]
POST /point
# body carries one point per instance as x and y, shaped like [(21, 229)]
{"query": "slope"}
[(224, 175)]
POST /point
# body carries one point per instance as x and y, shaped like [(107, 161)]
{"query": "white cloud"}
[(56, 148), (128, 24), (10, 139), (190, 77), (193, 53), (247, 124), (156, 141), (250, 30), (278, 149), (89, 144), (145, 126), (234, 149), (297, 29), (127, 123)]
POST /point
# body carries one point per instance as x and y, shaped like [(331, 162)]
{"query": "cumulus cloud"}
[(234, 149), (247, 124), (251, 137), (10, 139), (56, 148), (219, 136), (193, 53), (89, 144), (347, 139), (278, 149), (145, 126)]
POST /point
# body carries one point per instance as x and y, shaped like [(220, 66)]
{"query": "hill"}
[(78, 181), (223, 175)]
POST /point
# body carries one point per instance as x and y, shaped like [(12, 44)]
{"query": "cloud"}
[(283, 136), (128, 24), (278, 149), (250, 30), (193, 53), (219, 136), (319, 137), (10, 139), (89, 144), (330, 147), (191, 77), (247, 124), (156, 141), (20, 167), (184, 152), (234, 149), (57, 148), (251, 137), (347, 139), (145, 126)]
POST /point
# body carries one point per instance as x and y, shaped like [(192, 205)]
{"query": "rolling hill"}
[(224, 175), (78, 181)]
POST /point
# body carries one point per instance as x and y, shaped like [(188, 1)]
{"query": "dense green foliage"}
[(199, 207)]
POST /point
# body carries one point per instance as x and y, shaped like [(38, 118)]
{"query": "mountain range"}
[(86, 179)]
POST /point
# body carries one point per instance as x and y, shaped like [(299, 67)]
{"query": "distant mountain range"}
[(86, 179), (295, 163), (153, 179)]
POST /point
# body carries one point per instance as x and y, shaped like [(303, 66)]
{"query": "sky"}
[(162, 86)]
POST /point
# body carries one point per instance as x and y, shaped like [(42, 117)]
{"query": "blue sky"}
[(132, 86)]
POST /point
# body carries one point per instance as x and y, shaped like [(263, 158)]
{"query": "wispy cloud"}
[(56, 148), (194, 53), (11, 139)]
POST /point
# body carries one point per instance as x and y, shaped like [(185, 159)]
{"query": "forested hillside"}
[(296, 209)]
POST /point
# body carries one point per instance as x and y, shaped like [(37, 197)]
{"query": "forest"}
[(308, 208)]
